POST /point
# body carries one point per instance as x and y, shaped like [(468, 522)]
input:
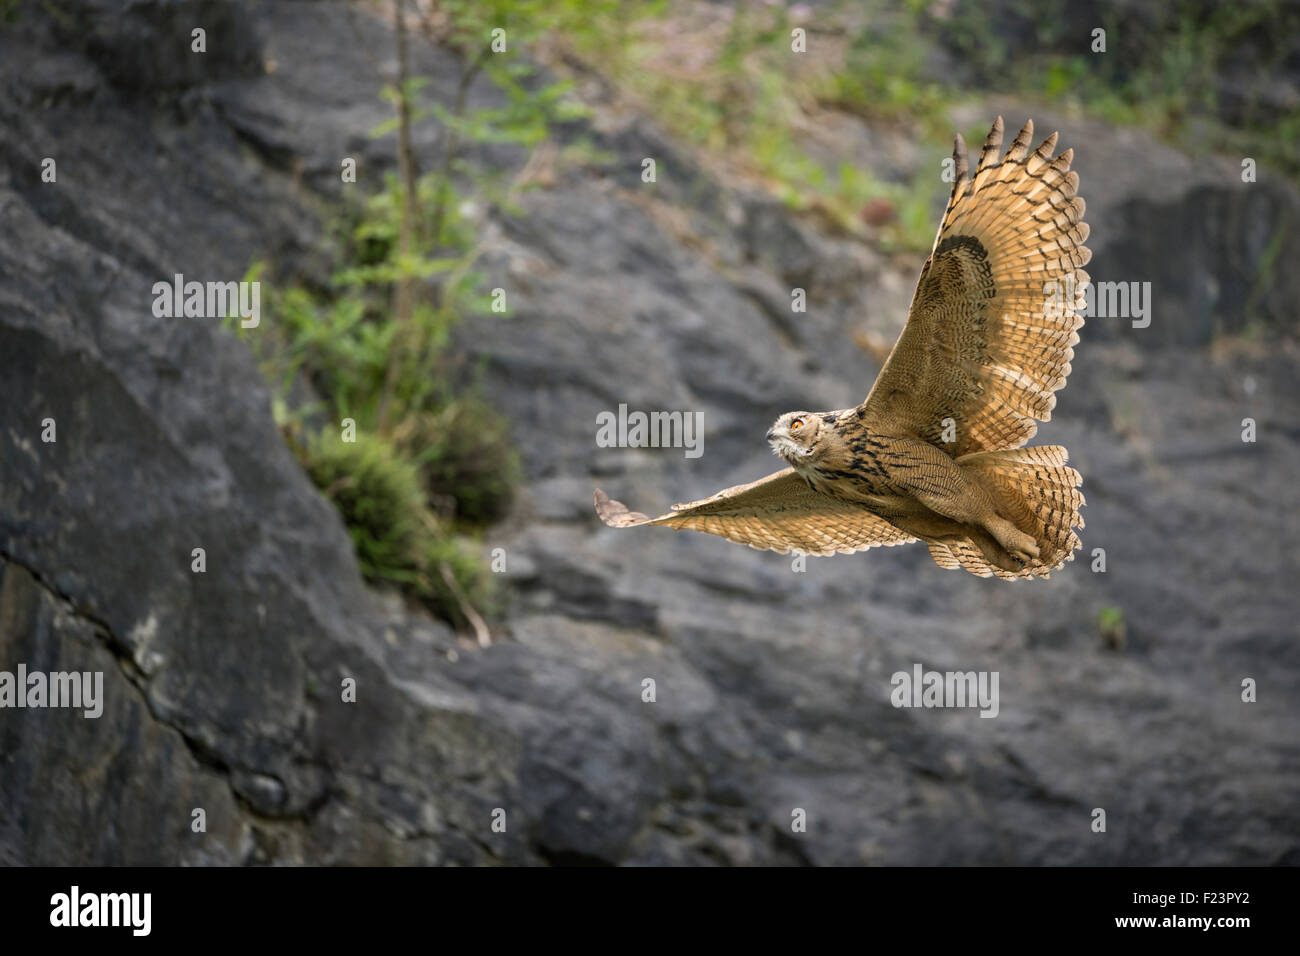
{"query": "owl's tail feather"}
[(1037, 491)]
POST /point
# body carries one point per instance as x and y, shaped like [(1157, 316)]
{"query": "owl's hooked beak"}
[(778, 438)]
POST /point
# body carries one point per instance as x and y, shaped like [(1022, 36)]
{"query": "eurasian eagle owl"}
[(935, 452)]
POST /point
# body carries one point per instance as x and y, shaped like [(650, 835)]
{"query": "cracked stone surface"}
[(223, 689)]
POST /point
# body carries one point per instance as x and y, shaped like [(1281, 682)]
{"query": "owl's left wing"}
[(991, 330), (777, 513)]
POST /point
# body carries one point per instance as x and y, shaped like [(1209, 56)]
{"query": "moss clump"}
[(469, 465), (397, 537), (474, 585), (379, 495)]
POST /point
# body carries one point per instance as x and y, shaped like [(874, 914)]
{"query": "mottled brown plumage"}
[(933, 453)]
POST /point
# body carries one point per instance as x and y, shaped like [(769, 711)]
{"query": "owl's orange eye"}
[(796, 424)]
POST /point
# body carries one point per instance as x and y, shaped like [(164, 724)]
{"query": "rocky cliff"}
[(772, 686)]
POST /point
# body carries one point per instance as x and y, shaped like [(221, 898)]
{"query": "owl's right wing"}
[(777, 513)]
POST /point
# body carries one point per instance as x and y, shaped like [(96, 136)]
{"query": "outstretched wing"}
[(777, 513), (989, 336)]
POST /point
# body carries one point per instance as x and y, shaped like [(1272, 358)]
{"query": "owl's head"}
[(794, 435)]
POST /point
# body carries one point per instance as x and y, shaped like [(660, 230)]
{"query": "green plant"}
[(1112, 627), (371, 344), (460, 587), (378, 492), (397, 538), (469, 466), (727, 81), (884, 74)]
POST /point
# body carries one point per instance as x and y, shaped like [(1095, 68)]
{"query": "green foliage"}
[(531, 107), (885, 75), (737, 89), (469, 466), (477, 586), (1163, 66), (428, 463), (1112, 627), (378, 492), (911, 62)]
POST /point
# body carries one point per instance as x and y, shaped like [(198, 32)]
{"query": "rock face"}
[(223, 690)]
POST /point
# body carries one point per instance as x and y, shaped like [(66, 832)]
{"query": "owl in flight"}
[(934, 453)]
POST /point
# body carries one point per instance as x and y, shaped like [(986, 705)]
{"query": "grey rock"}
[(771, 687)]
